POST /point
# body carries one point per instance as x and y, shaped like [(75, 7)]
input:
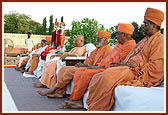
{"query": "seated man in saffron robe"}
[(49, 77), (143, 67), (82, 77), (23, 60), (66, 73), (35, 57)]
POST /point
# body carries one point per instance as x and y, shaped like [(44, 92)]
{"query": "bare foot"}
[(55, 95), (63, 106), (45, 92), (29, 73), (38, 85), (73, 105), (23, 70), (17, 68), (70, 102)]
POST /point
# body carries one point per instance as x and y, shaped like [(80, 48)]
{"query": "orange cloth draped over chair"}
[(24, 62), (82, 77), (34, 63), (148, 61)]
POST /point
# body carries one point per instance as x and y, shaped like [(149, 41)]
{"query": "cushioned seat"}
[(129, 98)]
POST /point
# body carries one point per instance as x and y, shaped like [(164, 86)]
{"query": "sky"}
[(106, 13)]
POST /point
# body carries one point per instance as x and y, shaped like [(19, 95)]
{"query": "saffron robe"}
[(148, 70), (49, 77), (66, 73), (82, 77), (23, 60), (35, 60)]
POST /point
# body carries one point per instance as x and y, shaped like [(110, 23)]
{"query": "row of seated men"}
[(105, 68)]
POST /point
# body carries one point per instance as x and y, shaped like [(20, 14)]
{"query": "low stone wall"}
[(18, 41)]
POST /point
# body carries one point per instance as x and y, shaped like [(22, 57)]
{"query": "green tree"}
[(87, 27), (44, 26), (162, 30), (39, 29), (19, 23), (51, 27), (10, 23), (138, 33), (113, 39), (67, 32), (62, 19)]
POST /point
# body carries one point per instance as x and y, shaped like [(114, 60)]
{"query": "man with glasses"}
[(143, 67), (82, 77), (66, 73)]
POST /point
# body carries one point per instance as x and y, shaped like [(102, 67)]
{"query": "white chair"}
[(130, 98), (89, 48), (38, 71)]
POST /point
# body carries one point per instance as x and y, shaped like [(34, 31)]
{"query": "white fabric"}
[(60, 64), (48, 57), (55, 58), (7, 100), (30, 54), (42, 49), (129, 98), (70, 87), (29, 43), (30, 60), (21, 60), (28, 63), (38, 71), (76, 58), (28, 75), (89, 48), (85, 98)]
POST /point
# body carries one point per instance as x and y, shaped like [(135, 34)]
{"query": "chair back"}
[(89, 48)]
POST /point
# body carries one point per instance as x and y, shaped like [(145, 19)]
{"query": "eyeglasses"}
[(147, 23)]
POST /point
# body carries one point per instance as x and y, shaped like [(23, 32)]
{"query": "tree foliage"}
[(62, 19), (44, 26), (20, 23), (87, 27), (51, 27), (138, 33)]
